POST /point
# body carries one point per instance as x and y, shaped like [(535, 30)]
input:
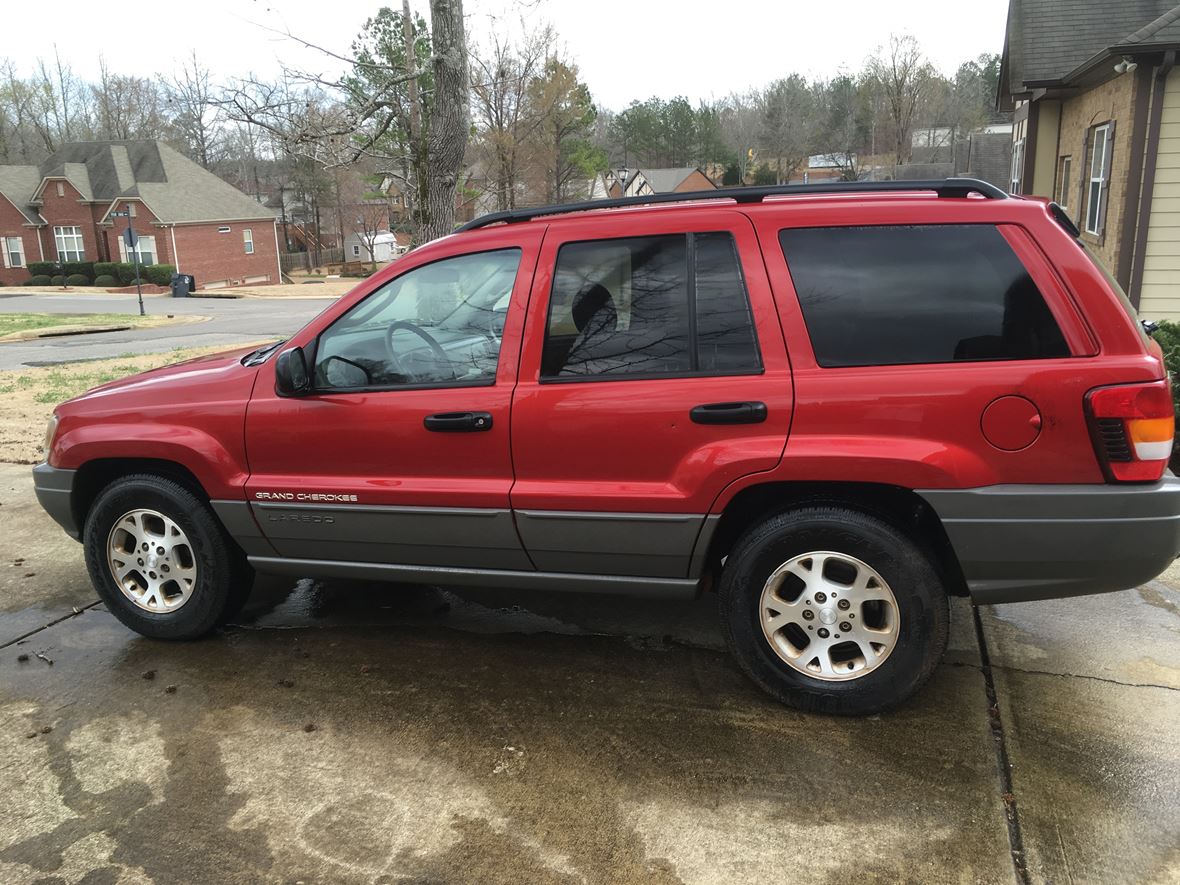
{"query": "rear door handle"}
[(458, 422), (729, 413)]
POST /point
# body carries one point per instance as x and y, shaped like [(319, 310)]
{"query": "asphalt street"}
[(231, 322)]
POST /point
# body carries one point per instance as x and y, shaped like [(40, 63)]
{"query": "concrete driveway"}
[(375, 733), (231, 322)]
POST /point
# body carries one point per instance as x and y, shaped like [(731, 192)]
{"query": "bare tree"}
[(500, 95), (787, 125), (125, 107), (194, 111), (380, 109), (903, 76)]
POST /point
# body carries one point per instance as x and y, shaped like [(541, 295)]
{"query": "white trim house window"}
[(145, 246), (1064, 180), (14, 251), (1101, 142), (69, 243), (1017, 167), (248, 239), (356, 251)]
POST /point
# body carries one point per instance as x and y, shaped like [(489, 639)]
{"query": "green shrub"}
[(126, 271), (78, 279), (39, 280), (105, 269), (1167, 335), (160, 274), (78, 268), (107, 281), (42, 268), (57, 280)]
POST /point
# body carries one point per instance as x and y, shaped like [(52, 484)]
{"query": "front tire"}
[(831, 610), (160, 560)]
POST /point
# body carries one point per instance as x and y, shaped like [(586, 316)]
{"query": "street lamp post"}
[(622, 174)]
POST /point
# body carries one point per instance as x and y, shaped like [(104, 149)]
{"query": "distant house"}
[(1097, 128), (642, 182), (183, 214), (386, 246)]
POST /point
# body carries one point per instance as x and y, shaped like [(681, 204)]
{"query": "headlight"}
[(50, 430)]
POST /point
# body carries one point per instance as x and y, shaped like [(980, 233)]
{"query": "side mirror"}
[(291, 378)]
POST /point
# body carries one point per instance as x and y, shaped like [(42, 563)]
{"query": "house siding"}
[(219, 259), (1159, 298), (1112, 101), (11, 222)]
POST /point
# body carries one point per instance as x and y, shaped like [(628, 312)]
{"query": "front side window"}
[(14, 252), (248, 239), (69, 243), (649, 306), (1099, 182), (893, 295), (439, 324)]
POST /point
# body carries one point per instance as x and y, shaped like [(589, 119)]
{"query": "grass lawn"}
[(27, 396), (11, 323)]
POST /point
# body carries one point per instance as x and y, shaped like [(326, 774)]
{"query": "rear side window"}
[(660, 306), (894, 295)]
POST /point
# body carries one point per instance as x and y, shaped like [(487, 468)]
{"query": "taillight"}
[(1133, 426)]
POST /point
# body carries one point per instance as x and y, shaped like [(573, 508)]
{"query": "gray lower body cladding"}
[(54, 488), (1022, 542)]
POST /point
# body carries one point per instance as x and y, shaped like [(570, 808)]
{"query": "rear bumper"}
[(1022, 542), (55, 488)]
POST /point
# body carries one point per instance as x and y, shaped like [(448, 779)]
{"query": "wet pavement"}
[(343, 732)]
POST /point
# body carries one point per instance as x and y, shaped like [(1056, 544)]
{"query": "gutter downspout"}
[(1153, 147), (1135, 176), (175, 254), (278, 255)]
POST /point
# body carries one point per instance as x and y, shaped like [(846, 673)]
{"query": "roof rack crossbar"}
[(943, 187)]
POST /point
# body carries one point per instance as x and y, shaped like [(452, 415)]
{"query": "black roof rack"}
[(944, 187)]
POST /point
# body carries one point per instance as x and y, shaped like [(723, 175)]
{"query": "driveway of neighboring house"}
[(231, 322), (372, 733)]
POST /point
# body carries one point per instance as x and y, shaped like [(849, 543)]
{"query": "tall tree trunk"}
[(450, 120)]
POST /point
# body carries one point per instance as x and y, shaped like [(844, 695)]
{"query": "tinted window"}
[(626, 307), (929, 294), (439, 323)]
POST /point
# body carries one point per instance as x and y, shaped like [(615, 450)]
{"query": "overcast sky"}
[(626, 49)]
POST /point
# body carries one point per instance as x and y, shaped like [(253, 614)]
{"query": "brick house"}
[(1097, 128), (183, 214), (642, 182)]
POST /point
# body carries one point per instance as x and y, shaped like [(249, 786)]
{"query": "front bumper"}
[(1021, 542), (55, 488)]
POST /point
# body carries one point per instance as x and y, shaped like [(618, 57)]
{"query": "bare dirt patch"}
[(27, 396)]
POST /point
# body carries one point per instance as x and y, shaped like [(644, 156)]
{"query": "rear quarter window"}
[(896, 295)]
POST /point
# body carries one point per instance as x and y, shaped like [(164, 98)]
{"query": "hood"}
[(197, 378)]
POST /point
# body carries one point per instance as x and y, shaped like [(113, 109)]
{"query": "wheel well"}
[(94, 476), (900, 507)]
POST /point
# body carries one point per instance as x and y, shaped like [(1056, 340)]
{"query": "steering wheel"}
[(435, 348)]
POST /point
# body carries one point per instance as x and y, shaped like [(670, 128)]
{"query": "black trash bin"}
[(182, 285)]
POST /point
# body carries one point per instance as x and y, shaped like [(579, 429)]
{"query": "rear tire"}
[(160, 560), (799, 576)]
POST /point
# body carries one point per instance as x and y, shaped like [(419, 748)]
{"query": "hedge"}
[(42, 268), (126, 272), (106, 280), (57, 280), (78, 268), (1167, 334), (105, 269), (39, 280), (78, 279), (160, 274)]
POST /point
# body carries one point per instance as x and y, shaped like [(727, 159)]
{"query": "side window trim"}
[(691, 305)]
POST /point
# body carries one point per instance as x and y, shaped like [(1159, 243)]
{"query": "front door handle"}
[(729, 413), (458, 422)]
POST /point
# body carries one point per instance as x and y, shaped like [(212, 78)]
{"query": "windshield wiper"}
[(259, 356)]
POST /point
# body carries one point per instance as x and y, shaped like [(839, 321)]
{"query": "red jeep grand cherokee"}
[(836, 405)]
